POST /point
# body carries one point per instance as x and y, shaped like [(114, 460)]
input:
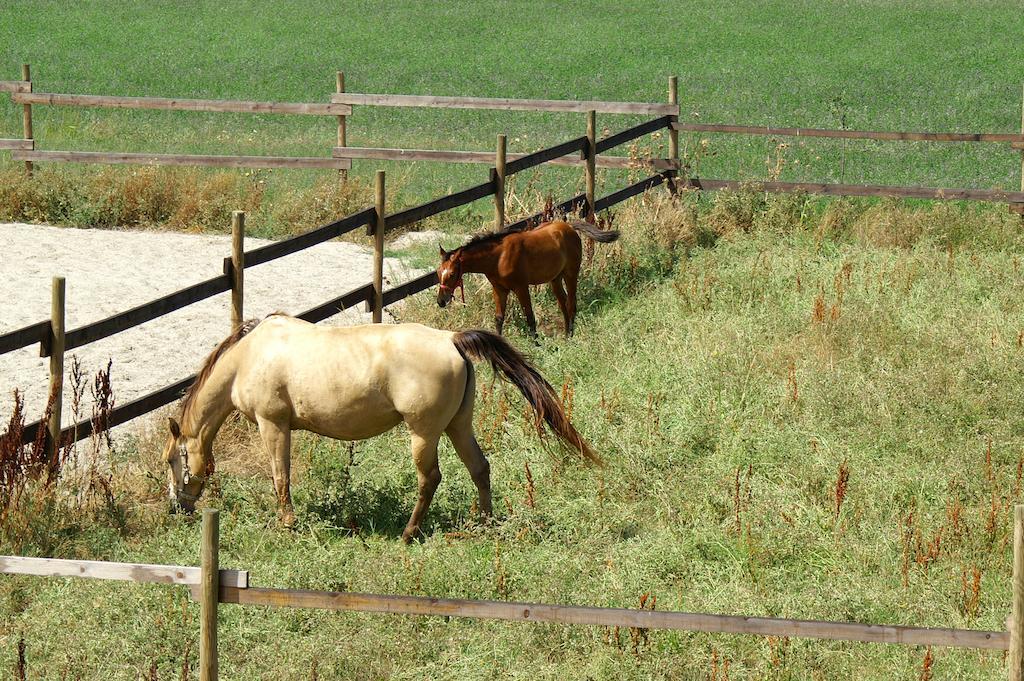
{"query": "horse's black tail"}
[(603, 236), (511, 365)]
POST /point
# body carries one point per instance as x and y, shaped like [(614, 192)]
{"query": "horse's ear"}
[(444, 253), (174, 427)]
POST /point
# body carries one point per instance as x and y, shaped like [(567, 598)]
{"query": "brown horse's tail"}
[(510, 364), (603, 236)]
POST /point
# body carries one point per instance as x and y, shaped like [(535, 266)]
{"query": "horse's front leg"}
[(500, 303), (278, 441), (523, 294)]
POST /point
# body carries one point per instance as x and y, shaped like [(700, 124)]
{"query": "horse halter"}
[(457, 285), (186, 476)]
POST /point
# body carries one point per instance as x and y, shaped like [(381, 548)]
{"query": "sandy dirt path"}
[(109, 271)]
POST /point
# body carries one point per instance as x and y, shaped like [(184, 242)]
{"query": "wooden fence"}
[(211, 586), (54, 341)]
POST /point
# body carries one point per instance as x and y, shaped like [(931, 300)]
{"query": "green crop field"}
[(808, 408)]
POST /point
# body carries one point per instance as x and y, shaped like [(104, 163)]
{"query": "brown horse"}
[(515, 260)]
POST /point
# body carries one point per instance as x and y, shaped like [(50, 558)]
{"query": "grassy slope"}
[(913, 65), (714, 370)]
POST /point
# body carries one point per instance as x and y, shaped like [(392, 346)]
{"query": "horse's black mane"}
[(491, 237)]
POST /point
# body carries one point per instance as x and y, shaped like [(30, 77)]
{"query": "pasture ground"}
[(728, 373)]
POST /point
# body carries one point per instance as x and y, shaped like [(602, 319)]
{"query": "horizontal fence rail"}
[(15, 86), (545, 155), (616, 617), (279, 249), (124, 572), (146, 312), (120, 158), (504, 104), (122, 414), (487, 157), (177, 104), (888, 191), (25, 336), (17, 145), (851, 134), (430, 208)]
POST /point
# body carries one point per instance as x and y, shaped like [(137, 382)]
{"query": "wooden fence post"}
[(209, 595), (591, 156), (378, 252), (499, 183), (342, 131), (1016, 656), (26, 112), (56, 366), (673, 134), (237, 268)]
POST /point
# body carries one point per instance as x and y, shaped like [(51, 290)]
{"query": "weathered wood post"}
[(237, 268), (591, 156), (26, 112), (342, 131), (378, 252), (56, 366), (209, 595), (673, 134), (1016, 656), (499, 183), (1022, 150)]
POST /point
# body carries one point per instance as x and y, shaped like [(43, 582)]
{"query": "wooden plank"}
[(279, 249), (1017, 207), (209, 594), (852, 134), (122, 414), (545, 155), (630, 134), (616, 617), (632, 190), (177, 104), (21, 145), (935, 193), (332, 307), (425, 210), (183, 159), (122, 572), (15, 86), (487, 158), (25, 336), (1015, 660), (411, 287), (504, 104), (148, 311)]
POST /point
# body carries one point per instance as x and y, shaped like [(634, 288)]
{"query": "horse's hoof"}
[(407, 537), (288, 520)]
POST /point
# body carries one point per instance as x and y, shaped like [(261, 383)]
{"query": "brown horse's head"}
[(449, 276), (186, 462)]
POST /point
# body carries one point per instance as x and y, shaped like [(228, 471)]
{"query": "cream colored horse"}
[(350, 383)]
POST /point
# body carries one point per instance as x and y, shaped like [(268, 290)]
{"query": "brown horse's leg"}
[(500, 302), (523, 294), (556, 288), (278, 442), (424, 455), (571, 276)]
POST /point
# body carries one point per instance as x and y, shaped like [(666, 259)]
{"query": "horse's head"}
[(186, 462), (449, 276)]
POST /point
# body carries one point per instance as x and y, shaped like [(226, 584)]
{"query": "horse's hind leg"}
[(424, 455), (571, 275), (500, 303), (559, 292), (278, 442), (460, 432)]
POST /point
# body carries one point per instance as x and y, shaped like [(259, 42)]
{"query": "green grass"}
[(921, 65), (695, 369)]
